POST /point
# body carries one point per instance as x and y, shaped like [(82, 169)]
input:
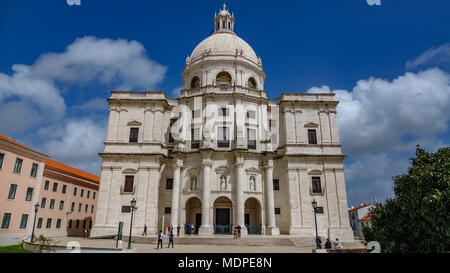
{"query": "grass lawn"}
[(13, 249)]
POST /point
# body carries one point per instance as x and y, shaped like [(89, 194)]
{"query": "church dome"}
[(224, 43)]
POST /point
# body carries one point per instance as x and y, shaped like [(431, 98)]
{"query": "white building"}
[(359, 218), (223, 154)]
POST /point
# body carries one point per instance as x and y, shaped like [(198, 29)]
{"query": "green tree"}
[(416, 220)]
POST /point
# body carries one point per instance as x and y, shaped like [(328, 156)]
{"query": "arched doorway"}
[(193, 215), (253, 217), (223, 216)]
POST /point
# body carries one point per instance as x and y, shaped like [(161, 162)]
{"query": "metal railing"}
[(320, 191), (254, 229), (123, 190), (223, 229), (223, 144)]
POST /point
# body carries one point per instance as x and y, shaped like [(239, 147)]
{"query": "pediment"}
[(134, 123), (311, 125), (315, 172), (222, 170), (252, 170), (129, 171)]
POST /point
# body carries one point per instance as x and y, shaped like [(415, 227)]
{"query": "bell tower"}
[(224, 21)]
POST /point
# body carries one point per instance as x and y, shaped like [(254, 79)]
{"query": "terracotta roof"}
[(72, 170), (366, 217), (2, 137), (360, 207)]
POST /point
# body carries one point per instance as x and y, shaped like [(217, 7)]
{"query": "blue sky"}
[(379, 60)]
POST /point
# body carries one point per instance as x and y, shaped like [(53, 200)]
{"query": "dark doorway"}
[(198, 222), (247, 219), (223, 217)]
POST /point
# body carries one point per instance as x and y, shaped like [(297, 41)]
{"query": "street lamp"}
[(314, 204), (133, 206), (36, 208)]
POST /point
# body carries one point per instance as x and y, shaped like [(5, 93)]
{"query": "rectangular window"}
[(55, 187), (18, 165), (251, 139), (86, 208), (129, 184), (92, 209), (52, 204), (12, 192), (29, 194), (169, 184), (79, 207), (126, 209), (224, 112), (24, 221), (6, 220), (46, 185), (34, 169), (58, 223), (251, 114), (77, 224), (2, 157), (224, 137), (277, 211), (64, 188), (75, 191), (88, 194), (195, 138), (316, 185), (49, 223), (69, 225), (81, 192), (72, 207), (84, 224), (61, 205), (134, 133), (276, 184), (312, 136), (39, 223), (168, 210), (93, 196), (90, 224), (43, 201)]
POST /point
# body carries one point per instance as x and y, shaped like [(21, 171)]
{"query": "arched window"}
[(223, 79), (195, 83), (229, 25), (252, 83), (218, 25), (193, 183), (224, 24)]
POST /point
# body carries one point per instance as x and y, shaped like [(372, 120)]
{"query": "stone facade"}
[(223, 154)]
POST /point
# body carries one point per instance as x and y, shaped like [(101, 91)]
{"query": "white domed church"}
[(223, 154)]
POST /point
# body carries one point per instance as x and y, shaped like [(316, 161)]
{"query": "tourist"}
[(319, 242), (85, 233), (192, 229), (337, 244), (328, 244), (235, 233), (178, 230), (170, 239), (189, 229), (145, 231), (239, 231), (160, 239)]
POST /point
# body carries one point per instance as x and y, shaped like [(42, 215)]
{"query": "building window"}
[(252, 83), (169, 184), (49, 223), (92, 209), (70, 223), (6, 220), (168, 210), (84, 224), (316, 185), (18, 165), (195, 83), (77, 224), (277, 211), (134, 133), (251, 114), (52, 204), (88, 194), (72, 208), (2, 157), (90, 224), (75, 191), (86, 208), (34, 169), (276, 184), (61, 205), (126, 209), (312, 136), (195, 138), (29, 194), (39, 224), (58, 223), (55, 187), (251, 139), (64, 188), (93, 195), (224, 112), (46, 185), (12, 192), (24, 221), (224, 139), (129, 184), (43, 201), (81, 192), (79, 207)]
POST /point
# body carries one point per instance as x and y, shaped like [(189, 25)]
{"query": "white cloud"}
[(176, 93), (18, 116), (93, 105), (439, 56)]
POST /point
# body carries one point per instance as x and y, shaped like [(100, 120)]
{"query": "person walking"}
[(160, 239), (189, 229), (145, 231), (85, 233), (170, 239), (178, 230), (235, 233)]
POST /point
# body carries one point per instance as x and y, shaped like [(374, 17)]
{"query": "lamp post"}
[(36, 208), (314, 204), (133, 205)]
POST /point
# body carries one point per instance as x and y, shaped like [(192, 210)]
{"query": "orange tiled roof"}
[(2, 137), (360, 207), (72, 170), (366, 217)]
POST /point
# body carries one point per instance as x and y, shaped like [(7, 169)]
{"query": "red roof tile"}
[(72, 170), (2, 137), (360, 207)]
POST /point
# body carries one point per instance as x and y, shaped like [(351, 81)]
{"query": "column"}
[(148, 125), (271, 228), (151, 214), (206, 228), (112, 124), (289, 126), (240, 180), (176, 192)]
